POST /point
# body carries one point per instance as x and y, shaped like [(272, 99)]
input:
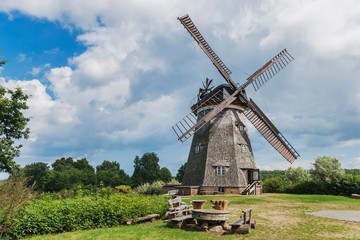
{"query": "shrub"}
[(150, 189), (173, 181), (70, 214), (275, 185), (14, 193), (123, 188)]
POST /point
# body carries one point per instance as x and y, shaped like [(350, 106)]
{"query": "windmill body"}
[(221, 157)]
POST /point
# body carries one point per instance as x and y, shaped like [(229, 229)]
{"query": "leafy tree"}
[(146, 169), (180, 173), (63, 164), (296, 175), (107, 165), (327, 169), (37, 173), (2, 60), (12, 125), (71, 174), (110, 174), (57, 182), (165, 175), (83, 165)]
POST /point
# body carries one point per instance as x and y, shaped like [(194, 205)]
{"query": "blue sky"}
[(110, 78)]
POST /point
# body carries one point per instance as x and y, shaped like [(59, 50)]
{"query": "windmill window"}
[(241, 128), (220, 170), (243, 147), (198, 148)]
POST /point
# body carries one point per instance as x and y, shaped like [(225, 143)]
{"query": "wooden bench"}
[(177, 208), (180, 221), (243, 224), (173, 192)]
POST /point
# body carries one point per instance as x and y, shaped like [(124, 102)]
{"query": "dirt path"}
[(353, 216)]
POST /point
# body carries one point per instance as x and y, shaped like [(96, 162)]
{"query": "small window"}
[(220, 170), (243, 147), (198, 148), (221, 189), (241, 128)]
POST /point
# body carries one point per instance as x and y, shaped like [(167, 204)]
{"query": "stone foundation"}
[(205, 190)]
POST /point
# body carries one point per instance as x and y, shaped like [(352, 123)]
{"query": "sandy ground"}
[(353, 216)]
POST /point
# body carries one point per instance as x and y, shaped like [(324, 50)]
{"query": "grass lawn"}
[(278, 216)]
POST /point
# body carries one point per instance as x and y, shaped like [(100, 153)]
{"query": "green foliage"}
[(180, 173), (150, 189), (43, 216), (265, 174), (2, 60), (352, 171), (12, 125), (327, 169), (123, 189), (173, 181), (38, 174), (275, 185), (327, 177), (165, 175), (14, 193), (146, 169), (110, 174), (297, 175)]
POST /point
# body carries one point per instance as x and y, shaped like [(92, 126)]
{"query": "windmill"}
[(221, 158)]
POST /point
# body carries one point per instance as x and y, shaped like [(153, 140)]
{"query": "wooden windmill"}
[(221, 158)]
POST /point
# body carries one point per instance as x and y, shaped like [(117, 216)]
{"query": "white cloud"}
[(350, 143)]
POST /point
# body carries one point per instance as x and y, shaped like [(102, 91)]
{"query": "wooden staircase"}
[(251, 188)]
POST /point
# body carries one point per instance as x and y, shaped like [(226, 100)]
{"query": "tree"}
[(107, 165), (2, 60), (37, 173), (12, 125), (297, 175), (110, 174), (165, 174), (146, 169), (327, 169), (180, 173), (63, 164)]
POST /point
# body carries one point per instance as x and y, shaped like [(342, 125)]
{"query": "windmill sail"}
[(194, 32), (266, 72), (270, 132)]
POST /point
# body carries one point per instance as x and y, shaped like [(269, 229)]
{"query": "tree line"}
[(67, 173), (325, 177)]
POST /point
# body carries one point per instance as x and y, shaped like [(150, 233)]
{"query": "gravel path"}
[(353, 216)]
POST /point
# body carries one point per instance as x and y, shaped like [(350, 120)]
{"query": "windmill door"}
[(253, 175)]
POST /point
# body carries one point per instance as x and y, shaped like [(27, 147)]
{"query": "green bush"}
[(123, 188), (45, 215), (275, 185), (150, 189)]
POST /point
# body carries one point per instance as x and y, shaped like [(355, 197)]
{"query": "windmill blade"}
[(266, 72), (270, 132), (194, 32), (189, 125)]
